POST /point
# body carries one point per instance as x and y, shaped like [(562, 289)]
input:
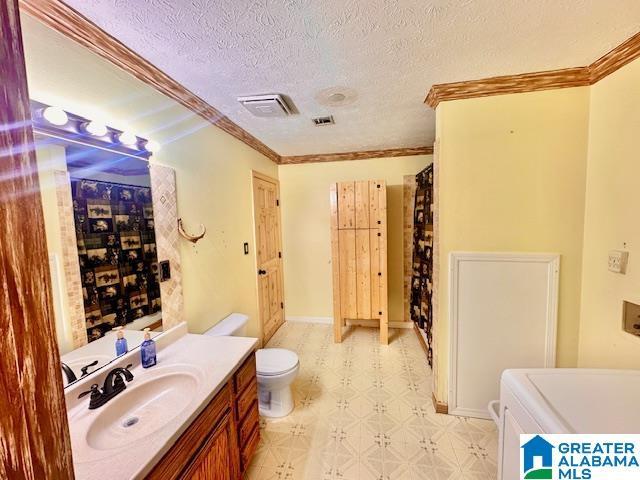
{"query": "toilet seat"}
[(275, 361)]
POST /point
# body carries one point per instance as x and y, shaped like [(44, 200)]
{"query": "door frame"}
[(266, 178)]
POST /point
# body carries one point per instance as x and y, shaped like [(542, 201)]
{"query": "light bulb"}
[(96, 128), (128, 138), (153, 147), (55, 116)]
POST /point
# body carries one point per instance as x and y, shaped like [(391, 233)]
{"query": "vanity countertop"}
[(211, 360)]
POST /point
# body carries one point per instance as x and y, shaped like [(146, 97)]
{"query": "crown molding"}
[(75, 26), (617, 58), (363, 155), (620, 56), (526, 82)]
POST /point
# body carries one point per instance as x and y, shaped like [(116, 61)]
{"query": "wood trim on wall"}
[(421, 341), (408, 206), (72, 24), (364, 155), (536, 81), (526, 82), (440, 407), (617, 58), (33, 424)]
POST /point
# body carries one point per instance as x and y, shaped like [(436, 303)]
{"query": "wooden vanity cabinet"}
[(220, 443)]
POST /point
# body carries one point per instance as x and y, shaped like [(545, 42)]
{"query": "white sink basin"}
[(144, 407)]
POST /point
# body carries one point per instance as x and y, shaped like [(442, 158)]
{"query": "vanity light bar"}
[(55, 116), (58, 123)]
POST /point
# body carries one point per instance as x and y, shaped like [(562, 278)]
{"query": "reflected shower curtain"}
[(422, 277)]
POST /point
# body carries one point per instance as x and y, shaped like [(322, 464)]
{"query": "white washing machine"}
[(563, 400)]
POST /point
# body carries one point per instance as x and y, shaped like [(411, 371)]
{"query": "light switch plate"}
[(618, 261)]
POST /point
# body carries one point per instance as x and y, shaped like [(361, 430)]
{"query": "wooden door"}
[(266, 201), (33, 418), (216, 460)]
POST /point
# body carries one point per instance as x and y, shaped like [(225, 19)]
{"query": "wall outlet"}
[(618, 261)]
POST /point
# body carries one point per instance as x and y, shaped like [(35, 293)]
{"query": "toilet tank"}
[(234, 325)]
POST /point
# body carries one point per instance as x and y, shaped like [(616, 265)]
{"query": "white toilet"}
[(276, 369)]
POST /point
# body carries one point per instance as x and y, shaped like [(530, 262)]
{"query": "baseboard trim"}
[(361, 323), (440, 407), (375, 323), (323, 320), (421, 340)]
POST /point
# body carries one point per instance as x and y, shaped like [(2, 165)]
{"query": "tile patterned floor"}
[(364, 411)]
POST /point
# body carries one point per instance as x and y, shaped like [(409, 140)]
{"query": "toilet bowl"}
[(276, 369)]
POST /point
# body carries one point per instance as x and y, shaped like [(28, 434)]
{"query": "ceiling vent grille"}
[(321, 121), (266, 105)]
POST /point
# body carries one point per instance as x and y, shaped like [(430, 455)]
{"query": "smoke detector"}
[(336, 96), (266, 105), (321, 121)]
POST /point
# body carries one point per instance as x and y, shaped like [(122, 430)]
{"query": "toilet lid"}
[(274, 361)]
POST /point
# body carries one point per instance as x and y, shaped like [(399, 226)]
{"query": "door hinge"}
[(281, 304), (277, 202)]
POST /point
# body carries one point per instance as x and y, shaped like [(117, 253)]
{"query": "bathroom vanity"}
[(193, 415), (219, 443)]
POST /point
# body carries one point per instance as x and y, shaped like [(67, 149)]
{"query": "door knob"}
[(262, 272)]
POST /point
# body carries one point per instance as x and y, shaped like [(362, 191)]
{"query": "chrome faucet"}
[(114, 383)]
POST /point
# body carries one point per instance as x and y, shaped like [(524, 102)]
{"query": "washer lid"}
[(274, 361), (579, 400)]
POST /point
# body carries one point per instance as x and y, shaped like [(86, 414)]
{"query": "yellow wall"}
[(612, 220), (512, 178), (212, 168), (51, 158), (304, 193)]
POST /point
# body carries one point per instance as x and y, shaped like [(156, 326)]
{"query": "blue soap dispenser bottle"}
[(148, 350), (121, 342)]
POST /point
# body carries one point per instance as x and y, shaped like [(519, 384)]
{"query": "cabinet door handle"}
[(262, 272)]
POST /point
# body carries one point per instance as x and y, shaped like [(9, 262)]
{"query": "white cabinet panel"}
[(503, 311)]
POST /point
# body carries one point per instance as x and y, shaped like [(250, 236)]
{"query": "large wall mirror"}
[(99, 221)]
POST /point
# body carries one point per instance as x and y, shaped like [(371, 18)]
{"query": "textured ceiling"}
[(389, 52)]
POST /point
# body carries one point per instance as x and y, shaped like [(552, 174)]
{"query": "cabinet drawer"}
[(246, 373), (249, 448), (248, 424), (246, 399)]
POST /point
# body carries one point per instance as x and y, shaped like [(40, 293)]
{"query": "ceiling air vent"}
[(266, 105), (321, 121)]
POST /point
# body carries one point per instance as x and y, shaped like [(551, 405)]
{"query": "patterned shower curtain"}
[(422, 277), (117, 253)]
